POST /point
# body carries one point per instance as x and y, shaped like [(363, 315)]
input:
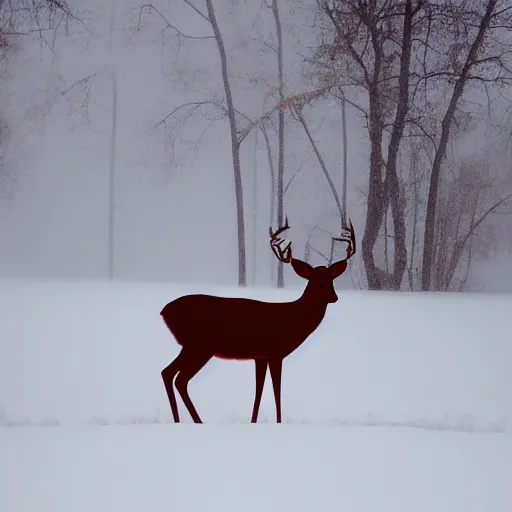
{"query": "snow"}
[(253, 468), (398, 402)]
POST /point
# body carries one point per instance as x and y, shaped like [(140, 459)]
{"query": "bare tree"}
[(39, 20), (271, 168), (485, 62), (255, 209), (414, 194), (237, 134), (280, 161), (235, 143), (36, 18), (363, 41), (474, 192), (406, 57), (469, 195), (113, 141), (344, 171), (277, 188)]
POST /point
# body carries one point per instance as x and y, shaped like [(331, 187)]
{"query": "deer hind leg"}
[(191, 363), (275, 366), (260, 371), (168, 375)]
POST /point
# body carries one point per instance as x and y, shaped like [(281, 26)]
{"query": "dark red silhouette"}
[(237, 328)]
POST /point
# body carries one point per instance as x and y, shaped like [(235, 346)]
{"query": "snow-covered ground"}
[(399, 402)]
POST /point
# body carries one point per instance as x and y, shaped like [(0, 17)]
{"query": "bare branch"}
[(429, 136), (293, 176), (194, 105), (264, 43), (191, 5), (40, 18), (320, 253), (351, 103), (490, 210), (242, 134), (298, 112), (169, 24)]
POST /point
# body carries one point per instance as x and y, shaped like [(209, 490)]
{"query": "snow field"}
[(398, 402)]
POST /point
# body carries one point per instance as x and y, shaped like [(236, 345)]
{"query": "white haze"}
[(171, 222)]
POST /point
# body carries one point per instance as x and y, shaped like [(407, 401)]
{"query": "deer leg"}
[(275, 366), (190, 366), (260, 371), (168, 375)]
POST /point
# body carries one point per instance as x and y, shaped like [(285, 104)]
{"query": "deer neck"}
[(305, 314), (311, 306)]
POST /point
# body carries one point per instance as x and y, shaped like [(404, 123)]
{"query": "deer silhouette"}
[(208, 326)]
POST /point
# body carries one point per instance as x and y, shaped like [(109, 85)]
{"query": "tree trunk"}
[(457, 252), (235, 146), (272, 194), (255, 210), (392, 185), (377, 199), (280, 162), (386, 235), (113, 137), (414, 166), (345, 152), (430, 220)]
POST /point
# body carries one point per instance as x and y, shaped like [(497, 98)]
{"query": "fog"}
[(174, 207)]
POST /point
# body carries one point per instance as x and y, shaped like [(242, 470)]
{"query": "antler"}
[(350, 237), (284, 255)]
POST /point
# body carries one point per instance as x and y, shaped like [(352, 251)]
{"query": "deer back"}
[(239, 328)]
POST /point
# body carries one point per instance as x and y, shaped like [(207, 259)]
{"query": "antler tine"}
[(350, 238), (279, 230), (284, 255), (351, 249)]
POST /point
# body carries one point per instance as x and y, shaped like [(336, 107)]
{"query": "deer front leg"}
[(260, 372), (168, 375), (191, 364), (275, 366)]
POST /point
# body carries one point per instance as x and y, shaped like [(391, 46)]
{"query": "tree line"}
[(423, 77)]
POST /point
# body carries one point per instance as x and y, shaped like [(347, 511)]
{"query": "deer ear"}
[(302, 268), (338, 268)]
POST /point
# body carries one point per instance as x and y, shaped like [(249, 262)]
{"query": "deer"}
[(242, 329)]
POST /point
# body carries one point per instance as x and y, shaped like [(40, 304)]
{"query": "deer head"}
[(320, 279)]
